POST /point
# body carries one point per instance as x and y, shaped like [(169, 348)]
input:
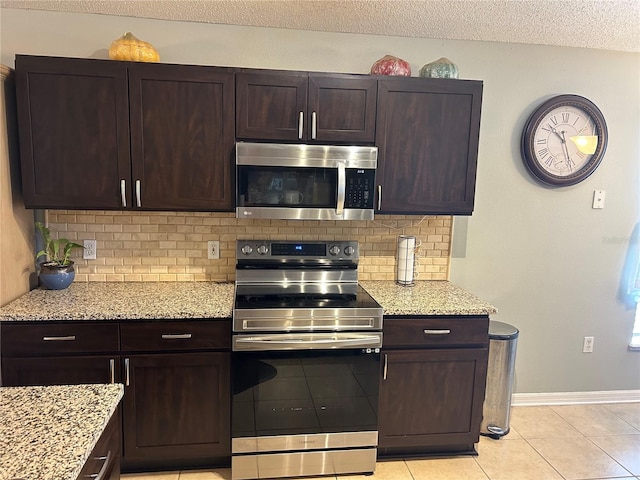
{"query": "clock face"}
[(564, 140)]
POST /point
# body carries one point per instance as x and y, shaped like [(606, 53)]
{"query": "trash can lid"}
[(502, 331)]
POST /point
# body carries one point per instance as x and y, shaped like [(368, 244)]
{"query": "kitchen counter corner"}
[(426, 298), (48, 432)]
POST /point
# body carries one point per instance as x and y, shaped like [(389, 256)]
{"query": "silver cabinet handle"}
[(112, 370), (172, 336), (300, 124), (138, 202), (126, 372), (386, 366), (379, 196), (68, 338), (314, 129), (342, 182), (437, 332), (103, 470), (123, 192)]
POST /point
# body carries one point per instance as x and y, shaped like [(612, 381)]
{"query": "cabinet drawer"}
[(160, 335), (436, 332), (40, 339)]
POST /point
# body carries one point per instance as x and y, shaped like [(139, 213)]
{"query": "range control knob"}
[(263, 249), (246, 249), (335, 250), (348, 251)]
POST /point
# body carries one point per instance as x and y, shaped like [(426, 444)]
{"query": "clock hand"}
[(561, 137), (566, 150)]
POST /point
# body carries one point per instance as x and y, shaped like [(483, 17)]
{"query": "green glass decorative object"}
[(441, 68)]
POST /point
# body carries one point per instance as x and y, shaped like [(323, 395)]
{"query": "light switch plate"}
[(598, 198)]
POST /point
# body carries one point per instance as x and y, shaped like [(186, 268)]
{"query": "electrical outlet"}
[(598, 198), (89, 250), (587, 345), (213, 249)]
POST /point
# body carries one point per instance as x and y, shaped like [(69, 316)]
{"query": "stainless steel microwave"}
[(305, 182)]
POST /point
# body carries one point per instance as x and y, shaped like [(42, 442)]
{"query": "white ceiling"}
[(600, 24)]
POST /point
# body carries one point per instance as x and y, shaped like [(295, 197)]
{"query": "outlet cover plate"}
[(213, 249), (89, 252)]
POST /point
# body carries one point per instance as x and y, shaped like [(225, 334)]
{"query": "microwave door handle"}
[(342, 181)]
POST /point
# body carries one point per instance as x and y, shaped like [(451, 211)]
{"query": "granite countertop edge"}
[(59, 425), (120, 301)]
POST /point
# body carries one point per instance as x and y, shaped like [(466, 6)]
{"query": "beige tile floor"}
[(568, 442)]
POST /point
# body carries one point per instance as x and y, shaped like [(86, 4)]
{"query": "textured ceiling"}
[(601, 24)]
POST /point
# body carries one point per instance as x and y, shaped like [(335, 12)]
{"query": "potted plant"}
[(56, 272)]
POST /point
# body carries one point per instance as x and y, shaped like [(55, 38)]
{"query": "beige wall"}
[(170, 246), (17, 265)]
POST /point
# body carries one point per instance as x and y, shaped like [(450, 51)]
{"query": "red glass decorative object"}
[(390, 65)]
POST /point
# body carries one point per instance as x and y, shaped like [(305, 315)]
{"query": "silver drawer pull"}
[(112, 370), (167, 336), (101, 475), (437, 332), (67, 338)]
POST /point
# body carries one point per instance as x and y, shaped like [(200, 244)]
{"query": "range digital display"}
[(299, 249)]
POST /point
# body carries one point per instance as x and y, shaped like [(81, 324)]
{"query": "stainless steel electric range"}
[(306, 361)]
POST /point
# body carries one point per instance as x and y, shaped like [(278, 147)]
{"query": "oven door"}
[(304, 411)]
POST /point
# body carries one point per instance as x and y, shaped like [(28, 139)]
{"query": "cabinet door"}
[(176, 410), (427, 134), (182, 137), (342, 108), (431, 400), (271, 106), (60, 370), (73, 117)]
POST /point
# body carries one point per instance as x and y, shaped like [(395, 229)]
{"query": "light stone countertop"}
[(426, 298), (190, 300), (124, 301), (47, 433)]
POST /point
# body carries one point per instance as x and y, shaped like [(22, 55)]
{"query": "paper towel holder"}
[(405, 261)]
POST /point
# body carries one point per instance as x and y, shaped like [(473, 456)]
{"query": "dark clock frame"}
[(530, 128)]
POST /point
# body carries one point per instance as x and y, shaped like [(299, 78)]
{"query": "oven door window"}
[(302, 392), (287, 186)]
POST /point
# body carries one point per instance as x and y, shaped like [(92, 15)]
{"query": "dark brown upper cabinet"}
[(100, 134), (182, 137), (427, 135), (302, 107)]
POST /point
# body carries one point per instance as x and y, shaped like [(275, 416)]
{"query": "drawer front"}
[(162, 336), (30, 339), (436, 332)]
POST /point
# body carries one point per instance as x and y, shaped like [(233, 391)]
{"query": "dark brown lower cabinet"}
[(176, 404), (104, 461), (176, 410), (432, 386)]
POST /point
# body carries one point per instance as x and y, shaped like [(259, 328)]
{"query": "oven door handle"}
[(304, 343)]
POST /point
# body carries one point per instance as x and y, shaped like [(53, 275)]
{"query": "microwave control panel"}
[(359, 188)]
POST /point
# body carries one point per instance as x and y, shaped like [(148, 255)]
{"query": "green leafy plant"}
[(58, 252)]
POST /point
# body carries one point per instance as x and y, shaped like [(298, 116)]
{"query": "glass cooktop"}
[(302, 296)]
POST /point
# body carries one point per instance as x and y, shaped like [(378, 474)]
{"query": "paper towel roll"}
[(405, 260)]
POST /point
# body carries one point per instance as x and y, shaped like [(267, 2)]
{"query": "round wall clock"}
[(564, 140)]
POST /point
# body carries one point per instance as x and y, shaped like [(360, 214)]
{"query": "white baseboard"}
[(572, 398)]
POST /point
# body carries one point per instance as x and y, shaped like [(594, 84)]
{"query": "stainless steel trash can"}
[(503, 339)]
